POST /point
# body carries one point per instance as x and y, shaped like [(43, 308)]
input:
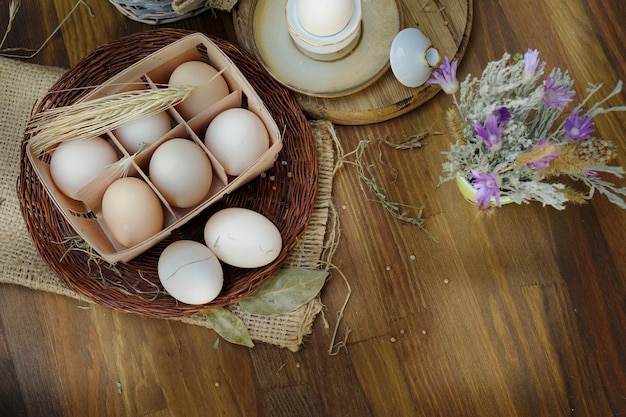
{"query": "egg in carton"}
[(85, 213)]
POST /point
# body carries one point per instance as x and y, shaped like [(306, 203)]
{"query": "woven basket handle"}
[(184, 6)]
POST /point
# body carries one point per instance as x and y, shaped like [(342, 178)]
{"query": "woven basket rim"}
[(286, 194), (149, 16)]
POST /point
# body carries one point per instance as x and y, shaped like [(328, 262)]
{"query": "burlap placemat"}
[(21, 85)]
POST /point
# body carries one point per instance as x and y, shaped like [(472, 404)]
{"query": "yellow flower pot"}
[(469, 193)]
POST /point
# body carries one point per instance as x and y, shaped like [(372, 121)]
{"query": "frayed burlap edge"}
[(21, 85)]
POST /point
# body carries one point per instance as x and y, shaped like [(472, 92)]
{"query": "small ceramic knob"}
[(413, 57)]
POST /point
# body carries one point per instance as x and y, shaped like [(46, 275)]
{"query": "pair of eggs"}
[(131, 209), (192, 273), (180, 171)]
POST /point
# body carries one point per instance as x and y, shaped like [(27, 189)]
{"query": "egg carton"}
[(85, 214)]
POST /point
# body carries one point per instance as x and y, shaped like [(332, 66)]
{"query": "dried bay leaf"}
[(286, 290), (229, 326)]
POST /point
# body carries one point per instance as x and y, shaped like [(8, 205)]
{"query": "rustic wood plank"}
[(518, 314), (13, 402), (28, 342)]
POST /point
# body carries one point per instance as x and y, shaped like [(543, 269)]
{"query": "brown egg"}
[(132, 211), (211, 87)]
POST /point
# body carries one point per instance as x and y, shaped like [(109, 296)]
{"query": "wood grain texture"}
[(518, 314)]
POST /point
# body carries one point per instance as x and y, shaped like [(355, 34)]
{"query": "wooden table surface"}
[(522, 313)]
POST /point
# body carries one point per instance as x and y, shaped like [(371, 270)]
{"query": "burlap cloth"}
[(21, 85)]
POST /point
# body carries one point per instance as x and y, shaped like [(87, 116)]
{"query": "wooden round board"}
[(446, 22), (336, 77)]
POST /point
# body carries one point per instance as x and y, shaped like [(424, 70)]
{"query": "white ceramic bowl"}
[(323, 45), (413, 57)]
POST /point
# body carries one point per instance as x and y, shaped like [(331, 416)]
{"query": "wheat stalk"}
[(543, 152), (95, 117), (567, 162), (455, 125), (122, 166)]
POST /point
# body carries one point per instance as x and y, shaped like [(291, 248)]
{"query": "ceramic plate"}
[(368, 60)]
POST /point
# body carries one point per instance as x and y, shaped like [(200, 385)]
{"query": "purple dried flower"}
[(486, 186), (445, 76), (491, 132), (502, 115), (578, 128), (556, 95), (531, 61)]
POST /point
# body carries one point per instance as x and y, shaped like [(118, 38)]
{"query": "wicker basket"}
[(157, 12), (285, 195)]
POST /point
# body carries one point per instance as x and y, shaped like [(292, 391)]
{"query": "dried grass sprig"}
[(575, 196), (577, 158), (123, 165), (541, 152), (118, 169), (95, 117), (567, 162), (398, 210), (14, 7), (413, 141), (455, 126), (76, 243)]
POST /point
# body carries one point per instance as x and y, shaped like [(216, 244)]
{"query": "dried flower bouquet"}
[(514, 141)]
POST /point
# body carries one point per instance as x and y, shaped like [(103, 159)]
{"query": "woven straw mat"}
[(21, 85)]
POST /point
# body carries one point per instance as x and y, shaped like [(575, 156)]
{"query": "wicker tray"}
[(285, 195)]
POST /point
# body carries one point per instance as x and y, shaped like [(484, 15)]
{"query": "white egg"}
[(212, 87), (142, 132), (190, 272), (243, 238), (237, 138), (181, 171), (132, 211), (324, 17), (76, 163)]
